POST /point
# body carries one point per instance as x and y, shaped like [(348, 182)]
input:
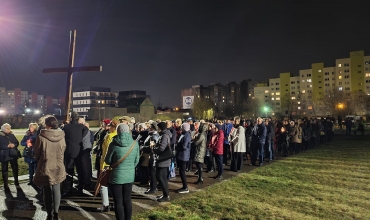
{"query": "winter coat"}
[(49, 151), (163, 142), (147, 155), (259, 133), (217, 143), (74, 133), (237, 140), (125, 171), (248, 133), (306, 132), (86, 141), (268, 133), (5, 139), (200, 143), (226, 128), (174, 136), (104, 148), (296, 134), (183, 146), (28, 158)]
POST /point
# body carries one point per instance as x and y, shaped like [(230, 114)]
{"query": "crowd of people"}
[(152, 151)]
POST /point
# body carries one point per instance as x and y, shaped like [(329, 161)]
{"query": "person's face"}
[(7, 130), (111, 128), (141, 129), (196, 126), (178, 124), (259, 121), (236, 122), (31, 128)]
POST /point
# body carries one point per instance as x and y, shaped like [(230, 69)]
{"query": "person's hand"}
[(11, 145)]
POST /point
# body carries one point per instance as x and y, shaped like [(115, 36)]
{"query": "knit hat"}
[(123, 128), (162, 126), (106, 121), (154, 126), (218, 126), (185, 126)]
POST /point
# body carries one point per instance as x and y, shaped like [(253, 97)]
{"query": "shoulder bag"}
[(104, 174)]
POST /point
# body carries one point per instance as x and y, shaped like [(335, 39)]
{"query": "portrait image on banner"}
[(187, 101)]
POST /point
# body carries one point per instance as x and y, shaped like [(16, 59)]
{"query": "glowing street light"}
[(37, 112), (265, 109), (340, 105)]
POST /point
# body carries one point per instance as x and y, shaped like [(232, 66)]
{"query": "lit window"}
[(272, 99), (340, 88), (310, 86), (278, 93), (266, 91), (299, 107), (278, 98), (250, 94), (299, 103), (303, 80), (319, 71), (340, 77), (339, 65), (309, 80), (303, 91), (272, 93), (293, 97)]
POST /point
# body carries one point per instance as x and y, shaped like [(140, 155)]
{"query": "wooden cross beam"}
[(71, 69)]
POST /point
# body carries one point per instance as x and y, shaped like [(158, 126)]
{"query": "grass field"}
[(330, 182)]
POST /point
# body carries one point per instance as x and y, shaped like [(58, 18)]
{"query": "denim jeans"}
[(31, 170), (270, 149)]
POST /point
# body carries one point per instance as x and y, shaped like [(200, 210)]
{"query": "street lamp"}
[(37, 112), (99, 109), (265, 109), (340, 105)]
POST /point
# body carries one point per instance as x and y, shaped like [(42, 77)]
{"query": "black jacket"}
[(74, 133), (5, 139)]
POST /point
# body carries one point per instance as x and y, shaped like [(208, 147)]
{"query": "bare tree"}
[(200, 106)]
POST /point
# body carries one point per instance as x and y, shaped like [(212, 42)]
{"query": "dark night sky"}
[(165, 46)]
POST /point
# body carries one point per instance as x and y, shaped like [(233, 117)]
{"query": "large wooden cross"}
[(71, 69)]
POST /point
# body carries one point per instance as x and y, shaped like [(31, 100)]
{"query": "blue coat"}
[(32, 137), (183, 146), (226, 128), (259, 133)]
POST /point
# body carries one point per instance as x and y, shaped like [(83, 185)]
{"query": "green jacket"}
[(125, 171)]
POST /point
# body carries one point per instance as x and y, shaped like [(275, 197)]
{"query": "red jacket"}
[(217, 142)]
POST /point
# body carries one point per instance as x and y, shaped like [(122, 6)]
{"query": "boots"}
[(5, 180)]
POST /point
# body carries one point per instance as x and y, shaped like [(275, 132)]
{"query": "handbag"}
[(14, 153), (104, 174), (27, 152), (166, 154)]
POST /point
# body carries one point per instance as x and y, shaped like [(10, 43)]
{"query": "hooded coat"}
[(49, 152), (125, 171), (200, 143)]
